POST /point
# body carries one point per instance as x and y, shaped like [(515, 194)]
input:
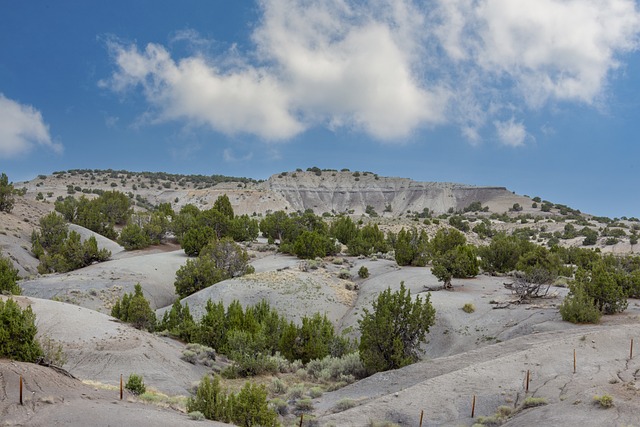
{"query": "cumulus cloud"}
[(510, 132), (22, 128), (547, 50), (319, 64), (389, 68)]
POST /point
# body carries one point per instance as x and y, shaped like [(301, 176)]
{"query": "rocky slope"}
[(322, 191), (338, 192)]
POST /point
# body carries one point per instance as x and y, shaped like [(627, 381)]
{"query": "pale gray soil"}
[(100, 348), (98, 286), (485, 353), (52, 399)]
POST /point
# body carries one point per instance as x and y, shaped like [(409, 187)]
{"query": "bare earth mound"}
[(51, 398), (100, 348)]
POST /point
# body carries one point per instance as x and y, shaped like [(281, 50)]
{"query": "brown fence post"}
[(526, 389), (21, 389), (574, 360), (301, 419), (120, 386), (473, 406), (421, 415)]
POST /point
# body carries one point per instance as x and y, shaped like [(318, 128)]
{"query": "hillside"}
[(484, 353), (321, 191)]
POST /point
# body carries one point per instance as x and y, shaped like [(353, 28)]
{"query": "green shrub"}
[(336, 368), (469, 308), (304, 405), (532, 402), (363, 272), (135, 309), (344, 404), (578, 307), (391, 335), (296, 392), (218, 260), (280, 406), (247, 408), (18, 332), (605, 401), (6, 194), (315, 392), (132, 237), (52, 352), (8, 277), (278, 386), (135, 384), (196, 416), (344, 274)]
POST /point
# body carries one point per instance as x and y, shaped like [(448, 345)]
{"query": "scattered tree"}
[(18, 332), (8, 277), (6, 194), (219, 260), (135, 309), (392, 333)]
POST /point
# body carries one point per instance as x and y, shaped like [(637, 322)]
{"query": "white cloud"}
[(547, 49), (319, 64), (21, 128), (389, 68), (244, 100), (511, 133)]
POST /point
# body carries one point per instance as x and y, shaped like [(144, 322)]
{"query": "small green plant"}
[(8, 277), (344, 404), (605, 401), (296, 392), (532, 402), (315, 392), (363, 272), (344, 274), (375, 423), (469, 308), (52, 353), (135, 384), (579, 307), (304, 405), (196, 415), (18, 332), (278, 386), (280, 406)]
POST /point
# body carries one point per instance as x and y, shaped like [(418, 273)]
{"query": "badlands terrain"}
[(484, 355)]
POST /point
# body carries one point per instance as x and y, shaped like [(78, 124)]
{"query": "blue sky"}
[(541, 97)]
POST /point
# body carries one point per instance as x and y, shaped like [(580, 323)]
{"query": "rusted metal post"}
[(21, 389), (421, 415), (574, 360), (301, 419), (526, 389), (473, 406), (120, 386)]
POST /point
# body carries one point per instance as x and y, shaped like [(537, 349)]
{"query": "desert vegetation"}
[(398, 275)]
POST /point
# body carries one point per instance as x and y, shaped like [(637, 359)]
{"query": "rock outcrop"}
[(346, 191)]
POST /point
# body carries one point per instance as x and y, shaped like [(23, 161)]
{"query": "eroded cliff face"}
[(344, 192)]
